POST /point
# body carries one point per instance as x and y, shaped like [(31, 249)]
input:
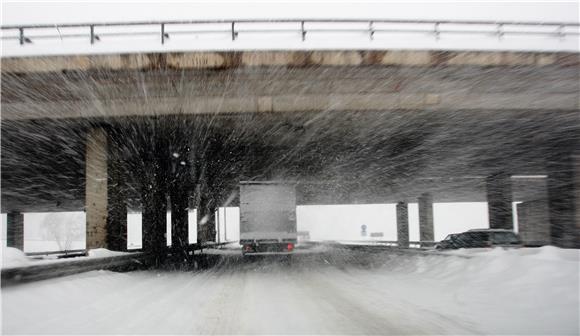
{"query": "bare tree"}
[(61, 229)]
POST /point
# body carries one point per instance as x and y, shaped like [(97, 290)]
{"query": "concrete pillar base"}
[(96, 189), (154, 222), (402, 225), (15, 230), (534, 222), (426, 229), (179, 219), (564, 201), (206, 224), (117, 199), (499, 201)]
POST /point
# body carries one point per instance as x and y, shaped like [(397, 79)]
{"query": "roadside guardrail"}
[(132, 260)]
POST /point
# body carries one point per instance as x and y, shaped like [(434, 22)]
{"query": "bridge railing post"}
[(500, 31), (436, 31), (21, 35), (234, 33)]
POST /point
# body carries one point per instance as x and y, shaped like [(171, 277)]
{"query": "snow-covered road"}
[(325, 292)]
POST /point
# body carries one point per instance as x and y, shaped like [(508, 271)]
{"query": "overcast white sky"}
[(34, 12), (82, 11)]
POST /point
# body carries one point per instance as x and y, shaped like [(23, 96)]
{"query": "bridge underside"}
[(111, 140), (345, 157)]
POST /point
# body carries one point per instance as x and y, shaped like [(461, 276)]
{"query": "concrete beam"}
[(402, 224), (15, 230), (290, 103), (96, 190), (499, 201), (426, 228), (564, 200), (221, 60), (337, 81)]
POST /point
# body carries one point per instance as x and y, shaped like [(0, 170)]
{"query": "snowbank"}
[(104, 253), (13, 257), (509, 291), (542, 253), (515, 292)]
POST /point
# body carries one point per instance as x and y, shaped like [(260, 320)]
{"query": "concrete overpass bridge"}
[(160, 131)]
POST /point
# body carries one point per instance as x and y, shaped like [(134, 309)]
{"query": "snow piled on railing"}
[(14, 258)]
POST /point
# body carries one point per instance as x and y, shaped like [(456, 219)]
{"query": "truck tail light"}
[(248, 248), (290, 247)]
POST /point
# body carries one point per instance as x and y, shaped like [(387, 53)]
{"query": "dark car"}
[(448, 242), (480, 238)]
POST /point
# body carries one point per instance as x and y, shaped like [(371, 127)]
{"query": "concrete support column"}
[(564, 200), (96, 189), (206, 230), (402, 225), (117, 200), (426, 230), (154, 220), (181, 170), (534, 222), (499, 201), (179, 217), (153, 172), (15, 230)]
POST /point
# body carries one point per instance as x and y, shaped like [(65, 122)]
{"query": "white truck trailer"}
[(267, 217)]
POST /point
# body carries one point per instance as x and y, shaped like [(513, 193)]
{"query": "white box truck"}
[(267, 217)]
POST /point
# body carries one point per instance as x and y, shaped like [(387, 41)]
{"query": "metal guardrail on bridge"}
[(95, 32)]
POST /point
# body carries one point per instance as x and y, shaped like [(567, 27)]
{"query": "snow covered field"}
[(328, 291)]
